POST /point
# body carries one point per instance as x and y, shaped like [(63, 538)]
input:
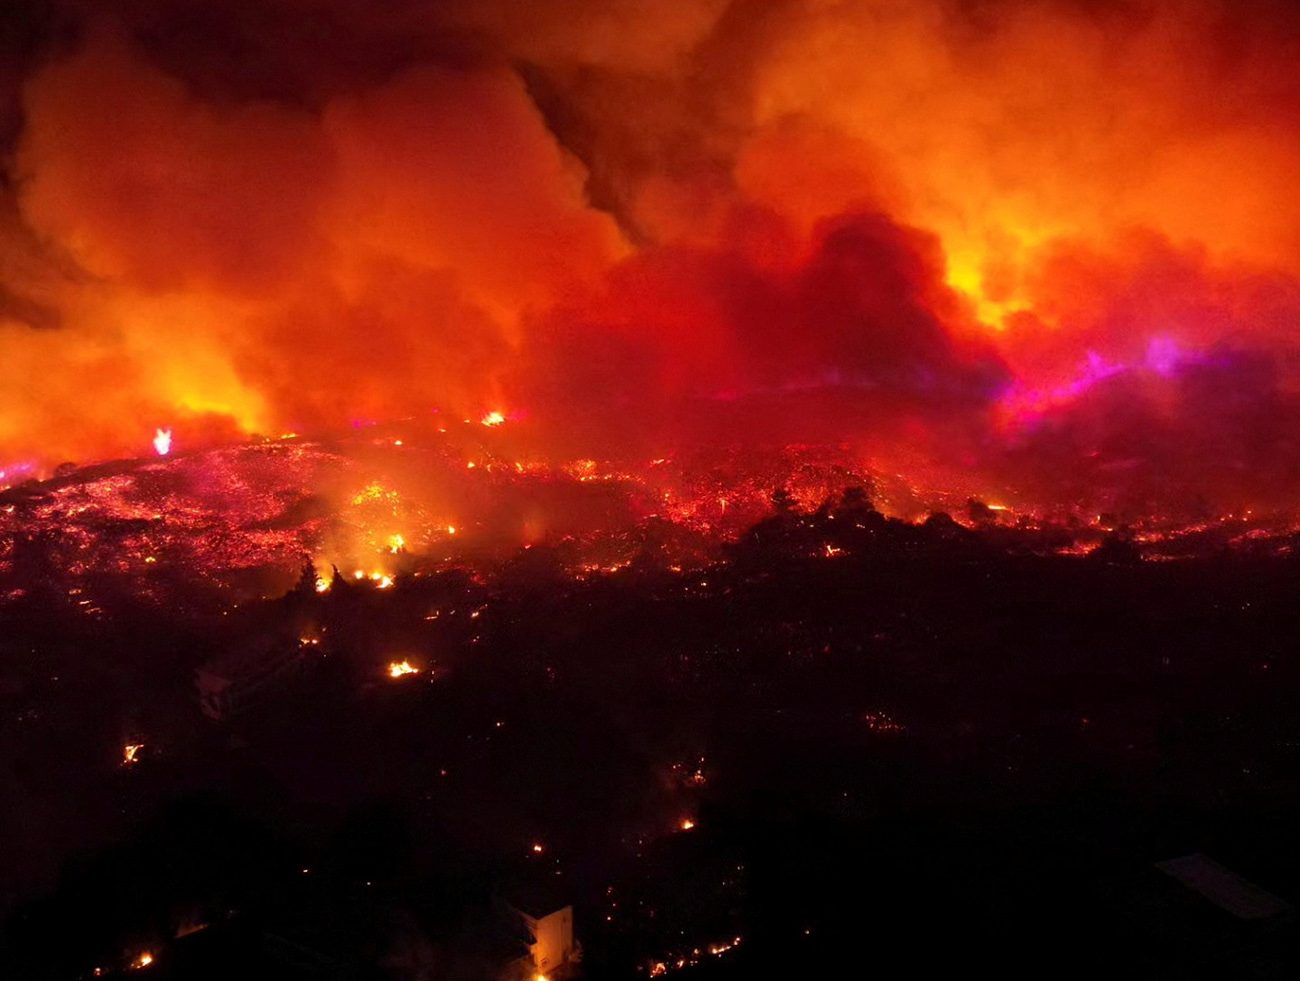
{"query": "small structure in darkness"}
[(229, 684), (552, 949), (547, 934), (1223, 887)]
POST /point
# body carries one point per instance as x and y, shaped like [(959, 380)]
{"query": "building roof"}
[(1223, 887), (260, 657), (538, 898)]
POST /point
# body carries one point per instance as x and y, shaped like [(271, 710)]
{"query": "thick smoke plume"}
[(1052, 244)]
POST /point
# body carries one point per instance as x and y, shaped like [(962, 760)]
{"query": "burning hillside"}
[(375, 505), (1042, 250), (637, 466), (383, 503)]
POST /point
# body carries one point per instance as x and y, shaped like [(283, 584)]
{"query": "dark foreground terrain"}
[(845, 748)]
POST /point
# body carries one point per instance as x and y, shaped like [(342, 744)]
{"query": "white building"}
[(552, 948)]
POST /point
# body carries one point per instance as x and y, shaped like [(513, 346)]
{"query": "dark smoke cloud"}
[(678, 334)]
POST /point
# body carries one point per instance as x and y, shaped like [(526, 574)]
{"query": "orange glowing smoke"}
[(631, 216)]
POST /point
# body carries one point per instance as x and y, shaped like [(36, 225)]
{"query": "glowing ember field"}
[(387, 502), (375, 507)]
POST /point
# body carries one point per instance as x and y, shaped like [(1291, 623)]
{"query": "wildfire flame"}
[(399, 669), (811, 223), (131, 753)]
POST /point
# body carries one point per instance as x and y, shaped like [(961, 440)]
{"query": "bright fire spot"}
[(493, 419), (539, 849), (162, 441), (451, 529), (832, 551), (687, 824), (322, 584), (541, 977), (374, 492), (144, 960), (396, 543), (380, 580), (131, 753), (398, 669)]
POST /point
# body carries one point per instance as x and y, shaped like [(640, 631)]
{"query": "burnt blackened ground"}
[(916, 742)]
